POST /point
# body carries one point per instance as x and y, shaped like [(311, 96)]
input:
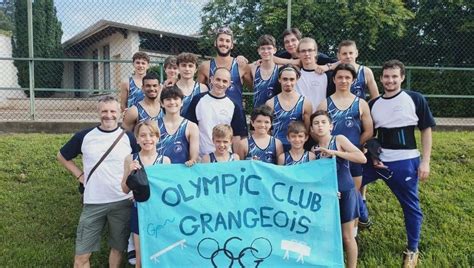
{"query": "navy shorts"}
[(134, 219), (349, 206), (356, 169)]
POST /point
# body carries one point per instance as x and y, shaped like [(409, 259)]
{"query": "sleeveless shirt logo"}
[(178, 147), (349, 122), (268, 156), (270, 92), (357, 90)]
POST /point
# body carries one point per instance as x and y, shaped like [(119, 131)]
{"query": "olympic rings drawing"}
[(260, 248)]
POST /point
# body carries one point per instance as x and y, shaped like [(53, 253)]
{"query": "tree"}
[(5, 22), (46, 44), (440, 34), (328, 23)]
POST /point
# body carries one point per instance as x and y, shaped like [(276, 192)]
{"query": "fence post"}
[(162, 76), (288, 15), (31, 62), (409, 79)]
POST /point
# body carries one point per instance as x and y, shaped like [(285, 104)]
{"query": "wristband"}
[(329, 65), (80, 175)]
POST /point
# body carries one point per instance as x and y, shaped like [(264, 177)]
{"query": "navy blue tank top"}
[(282, 118), (234, 92), (346, 122), (143, 114), (264, 89), (344, 177), (290, 161), (213, 158), (267, 154), (158, 159), (187, 99), (359, 86), (175, 146), (135, 94)]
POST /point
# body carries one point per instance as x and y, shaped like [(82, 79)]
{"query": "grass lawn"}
[(41, 206)]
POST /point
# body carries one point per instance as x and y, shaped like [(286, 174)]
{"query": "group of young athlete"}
[(305, 106)]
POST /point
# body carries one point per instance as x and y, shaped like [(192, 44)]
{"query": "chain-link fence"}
[(75, 51)]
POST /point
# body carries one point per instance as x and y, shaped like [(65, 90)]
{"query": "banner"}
[(242, 214)]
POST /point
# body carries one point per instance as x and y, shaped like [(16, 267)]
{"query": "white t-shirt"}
[(312, 86), (104, 186), (207, 111)]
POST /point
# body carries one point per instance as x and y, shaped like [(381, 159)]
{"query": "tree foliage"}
[(47, 35), (417, 32), (329, 23), (440, 34)]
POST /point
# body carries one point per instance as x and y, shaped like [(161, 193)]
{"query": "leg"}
[(82, 261), (89, 229), (349, 210), (115, 258), (136, 240), (131, 251), (118, 218), (350, 244), (404, 185)]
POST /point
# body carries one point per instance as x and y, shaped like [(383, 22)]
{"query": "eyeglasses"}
[(224, 30), (304, 51)]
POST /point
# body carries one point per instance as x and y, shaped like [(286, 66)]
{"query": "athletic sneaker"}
[(410, 258), (132, 259), (365, 225)]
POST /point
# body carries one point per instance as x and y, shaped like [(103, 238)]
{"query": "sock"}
[(131, 245)]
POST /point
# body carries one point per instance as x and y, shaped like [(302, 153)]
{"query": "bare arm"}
[(242, 148), (312, 156), (323, 105), (345, 150), (371, 84), (204, 87), (205, 159), (281, 159), (126, 172), (348, 151), (270, 102), (282, 61), (130, 118), (247, 76), (166, 160), (203, 73), (192, 133), (236, 157), (426, 142), (279, 147), (241, 59), (367, 123), (124, 94), (71, 166), (307, 110)]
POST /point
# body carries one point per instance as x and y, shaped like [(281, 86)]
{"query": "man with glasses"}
[(311, 85), (240, 73), (291, 39)]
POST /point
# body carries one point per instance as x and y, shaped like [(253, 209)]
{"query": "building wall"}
[(120, 48)]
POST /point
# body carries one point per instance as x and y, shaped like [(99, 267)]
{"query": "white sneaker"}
[(410, 259)]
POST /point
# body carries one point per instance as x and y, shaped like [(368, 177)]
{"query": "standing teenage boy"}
[(396, 114), (130, 89)]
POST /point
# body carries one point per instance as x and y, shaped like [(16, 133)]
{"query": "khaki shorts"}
[(92, 221)]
